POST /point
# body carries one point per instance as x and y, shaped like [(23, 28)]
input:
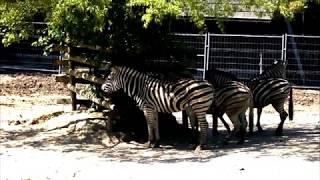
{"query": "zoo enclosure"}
[(243, 55), (247, 55)]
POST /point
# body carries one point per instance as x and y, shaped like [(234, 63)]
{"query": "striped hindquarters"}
[(270, 90), (233, 96)]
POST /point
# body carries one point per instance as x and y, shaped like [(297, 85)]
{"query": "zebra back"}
[(218, 78), (276, 70)]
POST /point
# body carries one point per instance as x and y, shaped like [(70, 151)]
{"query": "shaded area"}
[(89, 135)]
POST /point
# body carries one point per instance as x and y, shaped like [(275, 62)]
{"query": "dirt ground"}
[(43, 139)]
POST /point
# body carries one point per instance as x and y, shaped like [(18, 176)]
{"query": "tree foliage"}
[(122, 25)]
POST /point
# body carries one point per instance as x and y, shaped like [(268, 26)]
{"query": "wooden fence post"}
[(72, 82)]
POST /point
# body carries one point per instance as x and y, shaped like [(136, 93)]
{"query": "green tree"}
[(122, 26)]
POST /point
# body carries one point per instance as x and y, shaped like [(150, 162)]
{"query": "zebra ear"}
[(107, 65), (113, 69)]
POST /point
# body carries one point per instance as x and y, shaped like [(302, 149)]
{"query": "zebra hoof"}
[(202, 147), (149, 145), (156, 144), (153, 144), (260, 130)]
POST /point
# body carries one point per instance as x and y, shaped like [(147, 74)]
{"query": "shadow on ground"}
[(298, 141)]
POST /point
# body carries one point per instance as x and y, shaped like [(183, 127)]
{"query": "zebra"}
[(274, 91), (271, 87), (153, 95), (233, 98)]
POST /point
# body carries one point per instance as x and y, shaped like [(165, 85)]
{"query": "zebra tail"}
[(290, 108), (251, 115)]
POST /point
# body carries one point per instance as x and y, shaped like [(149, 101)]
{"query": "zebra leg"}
[(214, 125), (153, 130), (283, 116), (243, 127), (259, 111), (226, 125), (156, 129), (194, 124), (228, 136), (193, 119), (203, 130), (236, 123), (251, 119)]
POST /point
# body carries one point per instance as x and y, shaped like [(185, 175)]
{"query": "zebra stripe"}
[(274, 91), (153, 95)]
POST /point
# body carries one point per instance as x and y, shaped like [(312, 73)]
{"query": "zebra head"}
[(112, 81), (279, 62)]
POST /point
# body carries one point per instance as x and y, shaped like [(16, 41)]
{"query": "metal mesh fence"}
[(243, 55), (303, 57), (188, 50), (248, 55), (23, 57), (193, 51)]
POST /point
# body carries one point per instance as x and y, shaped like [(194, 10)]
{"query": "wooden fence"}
[(80, 69), (81, 75)]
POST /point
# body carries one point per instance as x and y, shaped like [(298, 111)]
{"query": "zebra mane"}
[(149, 76), (216, 72), (276, 70)]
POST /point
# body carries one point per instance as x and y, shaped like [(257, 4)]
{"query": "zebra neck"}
[(134, 84)]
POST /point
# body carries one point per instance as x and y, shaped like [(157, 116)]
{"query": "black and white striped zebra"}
[(153, 95), (274, 91), (271, 87), (231, 97)]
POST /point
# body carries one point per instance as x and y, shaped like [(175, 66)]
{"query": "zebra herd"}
[(219, 93)]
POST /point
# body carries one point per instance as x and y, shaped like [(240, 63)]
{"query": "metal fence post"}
[(208, 51), (260, 63), (284, 49), (205, 51)]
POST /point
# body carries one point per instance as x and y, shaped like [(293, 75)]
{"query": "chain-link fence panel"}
[(303, 57), (243, 55)]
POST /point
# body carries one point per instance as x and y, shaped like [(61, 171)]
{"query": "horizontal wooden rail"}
[(89, 95), (85, 76), (64, 78), (82, 60)]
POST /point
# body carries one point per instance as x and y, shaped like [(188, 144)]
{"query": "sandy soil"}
[(59, 144)]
